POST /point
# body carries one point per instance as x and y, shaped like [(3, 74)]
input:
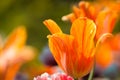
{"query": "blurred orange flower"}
[(14, 53), (74, 53), (111, 4), (110, 48), (101, 13)]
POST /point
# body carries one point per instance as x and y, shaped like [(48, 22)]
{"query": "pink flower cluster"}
[(55, 76)]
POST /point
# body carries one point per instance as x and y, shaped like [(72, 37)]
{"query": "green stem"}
[(91, 74)]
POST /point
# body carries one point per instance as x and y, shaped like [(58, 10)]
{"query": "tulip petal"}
[(61, 48), (14, 43), (105, 22), (16, 39), (107, 59), (83, 31), (70, 17), (26, 54), (115, 42), (12, 71), (52, 26), (79, 12)]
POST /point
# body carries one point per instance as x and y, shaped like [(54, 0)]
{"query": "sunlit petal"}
[(12, 71), (52, 26), (84, 31), (60, 45), (105, 22)]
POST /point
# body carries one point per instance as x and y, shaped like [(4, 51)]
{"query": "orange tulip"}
[(105, 19), (110, 48), (14, 53), (103, 15), (84, 9), (74, 53)]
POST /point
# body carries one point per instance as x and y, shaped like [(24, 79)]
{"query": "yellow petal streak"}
[(83, 31)]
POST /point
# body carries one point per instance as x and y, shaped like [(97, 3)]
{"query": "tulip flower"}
[(103, 16), (13, 53), (105, 19), (74, 53)]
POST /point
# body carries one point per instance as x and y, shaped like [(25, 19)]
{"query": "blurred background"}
[(31, 14)]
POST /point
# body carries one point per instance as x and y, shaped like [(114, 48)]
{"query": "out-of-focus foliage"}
[(31, 13)]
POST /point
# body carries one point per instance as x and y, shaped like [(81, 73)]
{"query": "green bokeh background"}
[(32, 13)]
